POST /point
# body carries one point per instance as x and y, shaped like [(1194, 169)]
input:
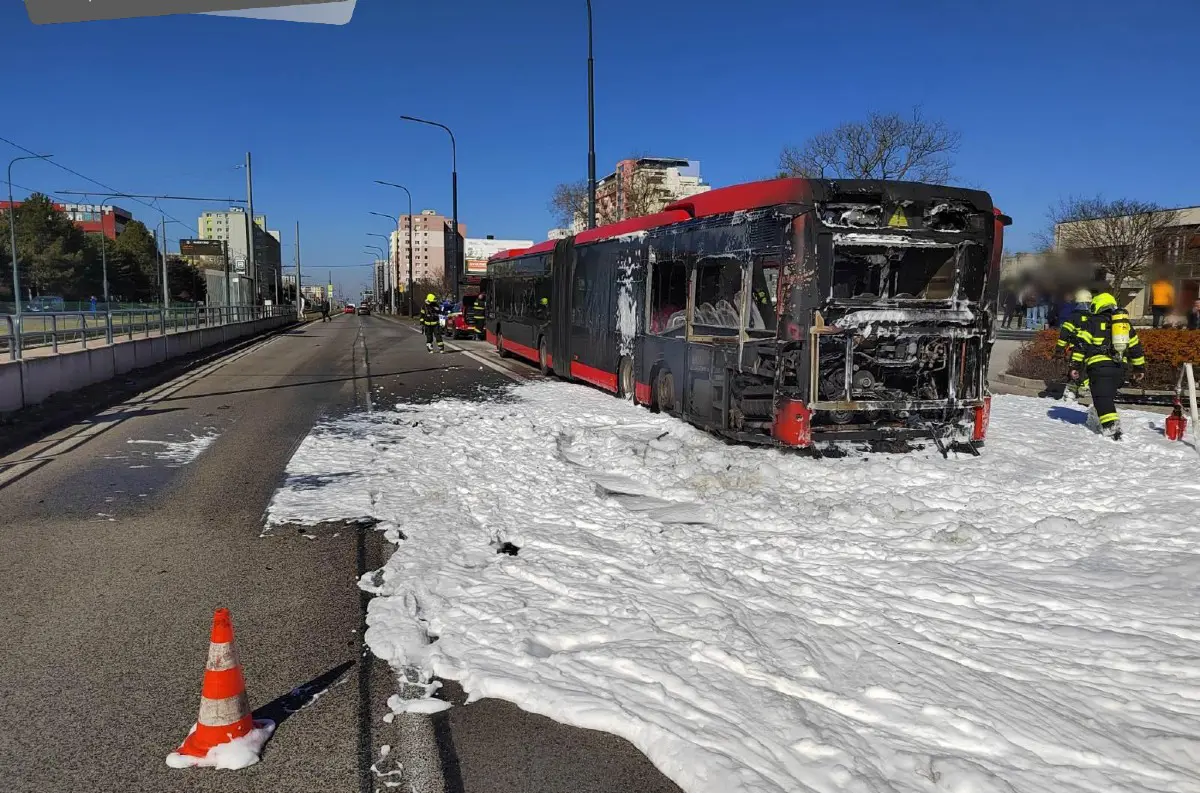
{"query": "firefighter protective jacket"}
[(1067, 334), (429, 314), (1094, 340)]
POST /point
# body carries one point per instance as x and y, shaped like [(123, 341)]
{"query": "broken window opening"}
[(717, 297), (762, 312), (668, 299), (878, 272)]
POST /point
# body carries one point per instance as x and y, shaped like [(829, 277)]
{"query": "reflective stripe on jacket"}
[(1094, 340), (430, 314)]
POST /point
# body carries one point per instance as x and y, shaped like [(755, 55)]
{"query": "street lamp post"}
[(394, 271), (591, 128), (388, 256), (411, 306), (453, 201), (12, 231)]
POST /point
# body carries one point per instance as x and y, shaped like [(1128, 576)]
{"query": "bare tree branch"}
[(568, 202), (1124, 236), (884, 146)]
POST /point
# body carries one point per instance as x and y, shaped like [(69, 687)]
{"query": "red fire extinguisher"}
[(1176, 424)]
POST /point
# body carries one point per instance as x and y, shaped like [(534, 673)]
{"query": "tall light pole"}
[(12, 231), (453, 200), (299, 291), (410, 240), (394, 271), (250, 268), (387, 258), (591, 219)]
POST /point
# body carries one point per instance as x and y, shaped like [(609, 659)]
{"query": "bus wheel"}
[(500, 344), (664, 391), (543, 356), (625, 378)]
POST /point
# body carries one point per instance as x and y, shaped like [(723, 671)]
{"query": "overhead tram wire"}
[(108, 188)]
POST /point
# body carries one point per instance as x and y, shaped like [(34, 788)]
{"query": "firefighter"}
[(1106, 341), (479, 315), (430, 321), (1067, 346)]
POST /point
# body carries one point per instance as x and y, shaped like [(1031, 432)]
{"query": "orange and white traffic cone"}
[(226, 734)]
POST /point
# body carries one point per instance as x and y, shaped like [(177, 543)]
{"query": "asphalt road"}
[(114, 552)]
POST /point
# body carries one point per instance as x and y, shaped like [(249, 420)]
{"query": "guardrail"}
[(50, 329)]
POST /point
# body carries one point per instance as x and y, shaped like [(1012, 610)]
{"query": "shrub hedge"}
[(1166, 349)]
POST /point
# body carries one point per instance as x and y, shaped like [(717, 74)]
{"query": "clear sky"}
[(1050, 100)]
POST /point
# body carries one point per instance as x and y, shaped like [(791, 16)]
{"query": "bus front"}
[(887, 303)]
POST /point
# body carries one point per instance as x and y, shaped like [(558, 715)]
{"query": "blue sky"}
[(1049, 101)]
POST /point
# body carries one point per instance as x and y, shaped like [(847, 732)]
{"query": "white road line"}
[(511, 375)]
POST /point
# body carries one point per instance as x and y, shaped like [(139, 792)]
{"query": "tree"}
[(884, 146), (187, 283), (133, 263), (568, 202), (1124, 236), (56, 256), (639, 196)]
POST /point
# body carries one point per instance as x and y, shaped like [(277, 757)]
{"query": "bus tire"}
[(664, 391), (625, 384), (500, 344), (543, 356)]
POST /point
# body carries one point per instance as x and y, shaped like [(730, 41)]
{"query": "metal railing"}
[(40, 330)]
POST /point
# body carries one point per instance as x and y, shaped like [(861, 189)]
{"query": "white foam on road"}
[(1025, 621), (181, 452), (238, 753)]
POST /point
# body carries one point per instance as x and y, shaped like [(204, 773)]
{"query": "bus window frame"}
[(739, 335)]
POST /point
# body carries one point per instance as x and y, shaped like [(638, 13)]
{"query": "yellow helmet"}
[(431, 298), (1102, 301)]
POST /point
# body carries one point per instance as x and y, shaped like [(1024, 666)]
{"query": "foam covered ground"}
[(759, 621)]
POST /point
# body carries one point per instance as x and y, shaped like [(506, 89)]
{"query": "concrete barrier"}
[(31, 380)]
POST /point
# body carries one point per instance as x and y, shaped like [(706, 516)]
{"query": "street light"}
[(12, 230), (388, 256), (453, 198), (394, 270), (591, 128), (411, 307)]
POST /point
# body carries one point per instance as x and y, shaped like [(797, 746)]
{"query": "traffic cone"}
[(224, 709)]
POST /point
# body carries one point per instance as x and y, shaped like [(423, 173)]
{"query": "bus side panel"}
[(593, 325), (562, 276)]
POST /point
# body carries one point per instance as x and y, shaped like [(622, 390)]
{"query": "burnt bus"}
[(792, 311)]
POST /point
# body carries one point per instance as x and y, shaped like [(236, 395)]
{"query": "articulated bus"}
[(792, 312)]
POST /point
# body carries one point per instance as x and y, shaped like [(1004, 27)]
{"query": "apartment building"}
[(643, 186), (432, 247)]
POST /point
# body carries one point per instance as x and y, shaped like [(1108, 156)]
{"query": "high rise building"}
[(88, 217), (230, 226), (432, 249), (642, 186)]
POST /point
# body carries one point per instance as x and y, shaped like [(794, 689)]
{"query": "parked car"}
[(457, 326), (364, 309), (349, 309)]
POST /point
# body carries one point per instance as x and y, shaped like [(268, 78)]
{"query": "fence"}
[(50, 329)]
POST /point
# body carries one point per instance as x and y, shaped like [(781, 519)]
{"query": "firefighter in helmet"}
[(1070, 349), (479, 314), (430, 321), (1106, 342)]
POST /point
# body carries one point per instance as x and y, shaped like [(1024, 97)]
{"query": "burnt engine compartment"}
[(883, 368)]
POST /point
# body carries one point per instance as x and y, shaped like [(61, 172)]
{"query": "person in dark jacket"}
[(325, 311), (1107, 341), (1012, 310), (431, 323), (1194, 316)]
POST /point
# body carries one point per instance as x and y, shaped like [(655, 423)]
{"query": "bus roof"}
[(664, 218), (740, 197)]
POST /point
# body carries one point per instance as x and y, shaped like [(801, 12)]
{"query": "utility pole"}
[(299, 293), (250, 268), (591, 219), (166, 292), (228, 286)]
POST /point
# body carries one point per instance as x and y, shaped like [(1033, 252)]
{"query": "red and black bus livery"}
[(790, 311)]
